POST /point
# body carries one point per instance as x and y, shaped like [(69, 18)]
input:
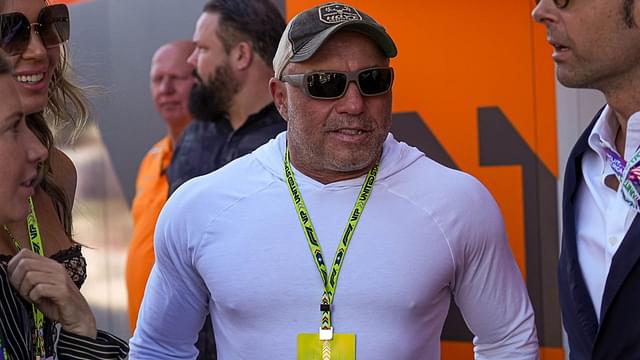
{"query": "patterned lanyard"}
[(36, 246), (330, 283), (628, 174)]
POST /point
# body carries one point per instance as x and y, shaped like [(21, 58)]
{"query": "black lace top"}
[(71, 258)]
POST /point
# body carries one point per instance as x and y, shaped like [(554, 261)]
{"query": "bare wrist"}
[(86, 328)]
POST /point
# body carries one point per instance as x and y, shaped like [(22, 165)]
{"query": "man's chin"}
[(175, 118), (205, 107), (353, 164)]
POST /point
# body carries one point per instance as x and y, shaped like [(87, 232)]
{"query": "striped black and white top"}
[(16, 325)]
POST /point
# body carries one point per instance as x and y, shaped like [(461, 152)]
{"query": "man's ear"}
[(242, 55), (279, 94)]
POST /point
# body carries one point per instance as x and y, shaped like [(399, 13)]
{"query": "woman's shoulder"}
[(64, 172)]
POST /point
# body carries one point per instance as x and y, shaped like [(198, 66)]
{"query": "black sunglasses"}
[(328, 85), (52, 27), (560, 4)]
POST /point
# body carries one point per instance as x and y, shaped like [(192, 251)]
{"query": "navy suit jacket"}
[(618, 334)]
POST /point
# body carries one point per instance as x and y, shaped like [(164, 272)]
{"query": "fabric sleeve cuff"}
[(104, 346)]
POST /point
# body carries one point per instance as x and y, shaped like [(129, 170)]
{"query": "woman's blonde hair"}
[(67, 106), (67, 111)]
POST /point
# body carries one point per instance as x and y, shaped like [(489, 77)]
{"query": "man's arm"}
[(175, 300), (489, 289)]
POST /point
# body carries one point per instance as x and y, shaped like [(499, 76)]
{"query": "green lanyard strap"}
[(331, 282), (33, 231)]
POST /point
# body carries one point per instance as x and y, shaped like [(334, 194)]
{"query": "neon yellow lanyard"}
[(35, 240), (331, 282)]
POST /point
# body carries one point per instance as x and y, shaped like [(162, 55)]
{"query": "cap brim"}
[(378, 35)]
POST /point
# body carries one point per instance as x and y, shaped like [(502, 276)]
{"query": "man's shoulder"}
[(196, 202), (161, 146), (433, 177), (422, 174), (193, 207), (434, 188), (240, 176), (197, 131), (268, 119), (150, 165)]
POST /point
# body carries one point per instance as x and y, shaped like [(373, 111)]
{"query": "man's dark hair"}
[(256, 21), (627, 8)]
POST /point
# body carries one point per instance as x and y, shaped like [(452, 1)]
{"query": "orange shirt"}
[(152, 189)]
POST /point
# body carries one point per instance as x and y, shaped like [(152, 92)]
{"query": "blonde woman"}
[(34, 35)]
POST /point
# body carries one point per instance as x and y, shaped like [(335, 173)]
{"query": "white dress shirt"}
[(602, 216)]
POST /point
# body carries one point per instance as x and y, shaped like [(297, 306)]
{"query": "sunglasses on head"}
[(327, 85), (560, 4), (52, 27)]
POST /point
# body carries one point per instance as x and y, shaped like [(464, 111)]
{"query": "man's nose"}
[(193, 58), (166, 86), (352, 102), (544, 12)]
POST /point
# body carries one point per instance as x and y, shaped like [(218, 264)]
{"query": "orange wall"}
[(455, 57)]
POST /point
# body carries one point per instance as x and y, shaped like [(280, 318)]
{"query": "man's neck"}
[(325, 176), (175, 130), (622, 116), (252, 97), (624, 101), (328, 177)]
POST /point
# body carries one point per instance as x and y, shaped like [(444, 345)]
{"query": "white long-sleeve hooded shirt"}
[(230, 243)]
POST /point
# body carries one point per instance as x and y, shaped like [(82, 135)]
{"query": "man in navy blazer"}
[(596, 45)]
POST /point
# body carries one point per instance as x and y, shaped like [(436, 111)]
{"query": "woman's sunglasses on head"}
[(52, 27), (327, 85)]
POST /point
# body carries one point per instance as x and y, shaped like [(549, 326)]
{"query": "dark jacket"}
[(618, 334), (206, 146)]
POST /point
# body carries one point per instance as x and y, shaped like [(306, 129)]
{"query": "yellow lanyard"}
[(330, 281), (33, 231)]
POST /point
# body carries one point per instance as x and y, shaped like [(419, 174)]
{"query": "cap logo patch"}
[(338, 13)]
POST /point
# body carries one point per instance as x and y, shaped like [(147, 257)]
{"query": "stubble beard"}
[(317, 154)]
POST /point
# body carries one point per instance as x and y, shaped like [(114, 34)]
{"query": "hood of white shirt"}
[(396, 156)]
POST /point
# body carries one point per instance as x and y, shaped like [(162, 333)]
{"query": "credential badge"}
[(338, 13)]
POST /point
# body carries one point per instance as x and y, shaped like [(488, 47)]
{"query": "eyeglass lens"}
[(52, 26), (326, 85), (375, 81), (334, 84), (14, 29), (54, 22)]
